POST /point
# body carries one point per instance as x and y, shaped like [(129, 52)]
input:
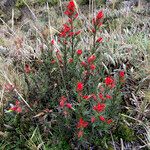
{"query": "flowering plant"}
[(70, 80)]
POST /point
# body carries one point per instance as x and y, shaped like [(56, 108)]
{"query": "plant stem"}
[(72, 39)]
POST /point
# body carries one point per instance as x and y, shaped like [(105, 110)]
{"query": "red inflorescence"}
[(99, 107), (99, 40), (79, 87), (101, 118), (122, 74), (92, 119), (70, 9), (82, 123), (109, 81), (27, 68), (92, 67), (79, 52), (63, 99), (91, 59)]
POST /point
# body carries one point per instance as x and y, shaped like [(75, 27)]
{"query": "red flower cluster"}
[(67, 32), (91, 59), (82, 123), (122, 76), (16, 107), (101, 118), (99, 107), (63, 102), (80, 133), (87, 97), (66, 29), (79, 52), (108, 96), (99, 15), (70, 9), (101, 96), (79, 87), (104, 97), (97, 20), (109, 121), (109, 81)]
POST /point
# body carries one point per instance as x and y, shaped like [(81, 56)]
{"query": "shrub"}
[(70, 84)]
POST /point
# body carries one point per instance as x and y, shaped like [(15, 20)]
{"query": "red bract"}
[(17, 108), (91, 59), (85, 97), (83, 63), (76, 15), (99, 107), (77, 33), (92, 67), (53, 61), (101, 96), (17, 103), (63, 99), (122, 74), (94, 96), (108, 96), (71, 6), (101, 118), (109, 121), (68, 105), (58, 55), (82, 123), (93, 30), (80, 134), (65, 30), (92, 119), (99, 15), (99, 40), (70, 33), (70, 9), (13, 108), (68, 13), (70, 60), (97, 20), (52, 41), (62, 34), (79, 87), (27, 68), (79, 52)]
